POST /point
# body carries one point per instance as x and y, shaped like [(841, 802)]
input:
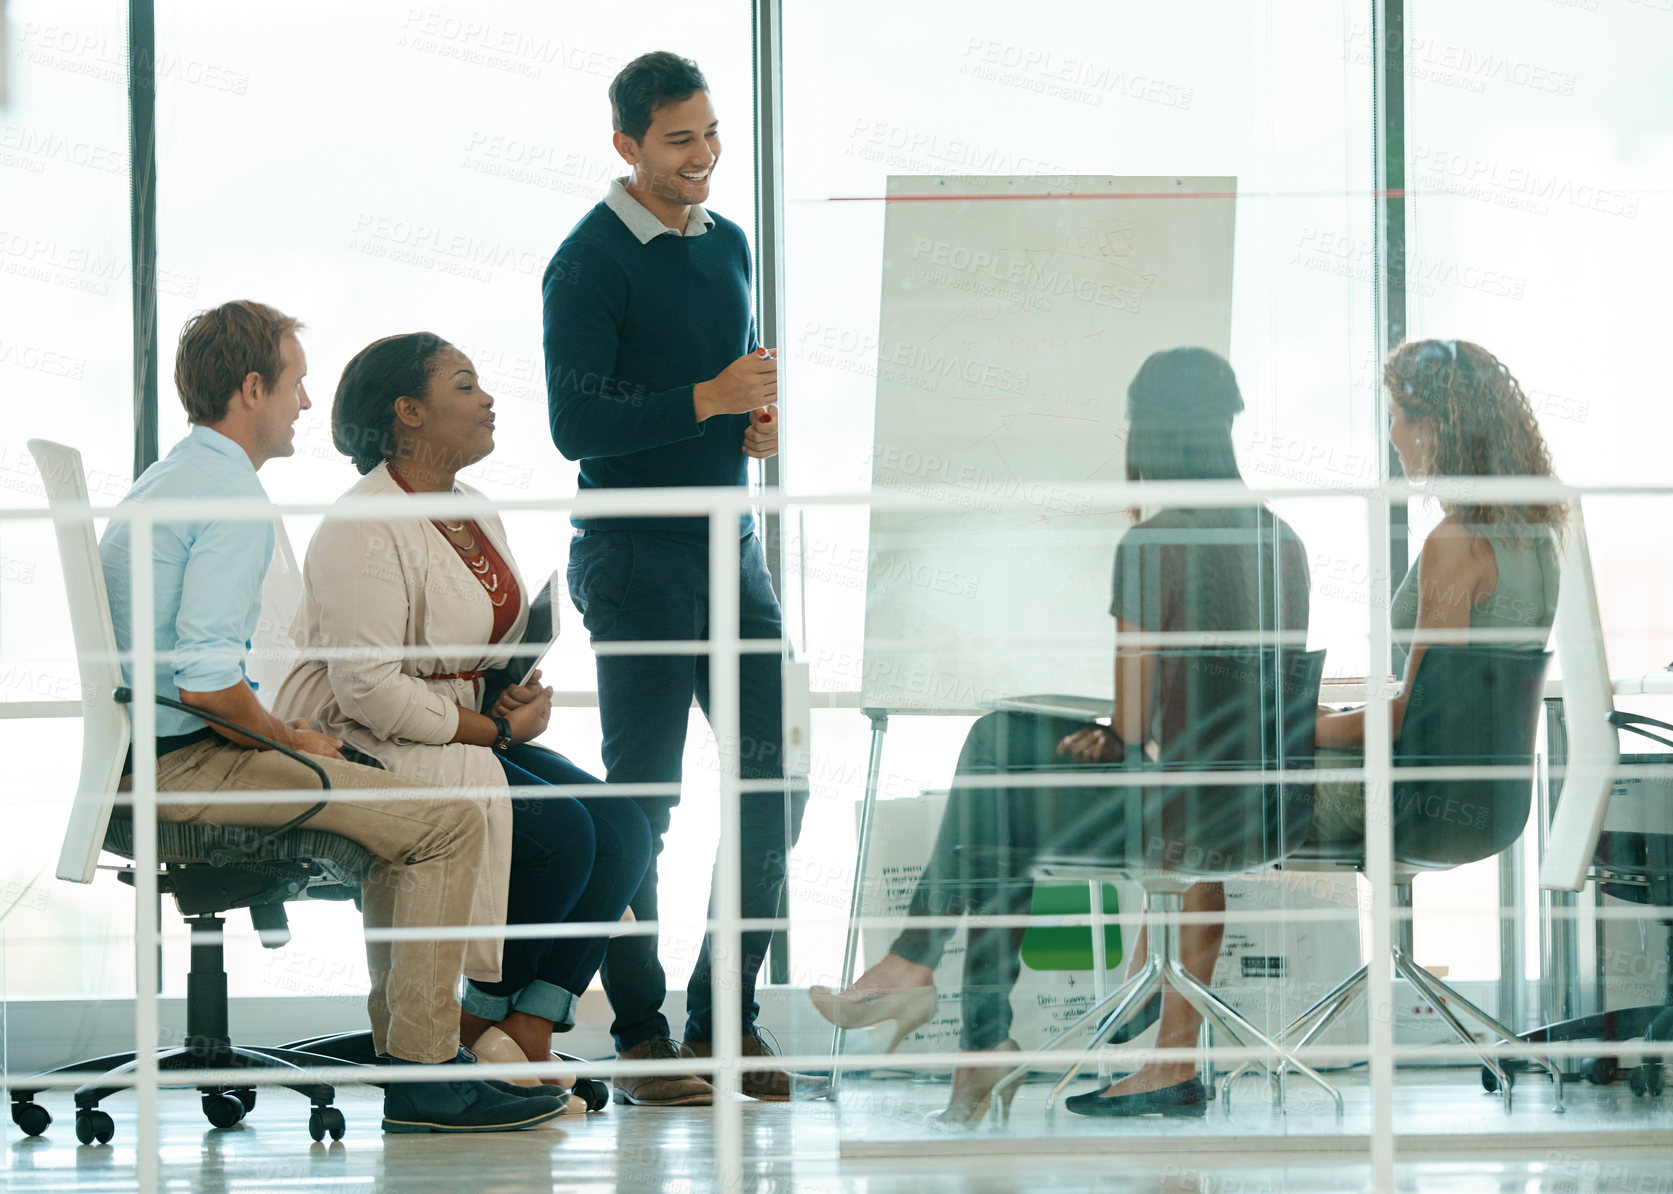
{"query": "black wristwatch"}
[(502, 731)]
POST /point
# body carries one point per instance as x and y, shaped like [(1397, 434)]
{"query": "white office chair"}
[(1600, 795), (207, 869)]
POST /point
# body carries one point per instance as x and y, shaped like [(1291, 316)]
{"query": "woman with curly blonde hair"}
[(1488, 572)]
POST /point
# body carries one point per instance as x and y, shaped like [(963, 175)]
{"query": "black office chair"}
[(207, 869), (1239, 710), (1469, 707)]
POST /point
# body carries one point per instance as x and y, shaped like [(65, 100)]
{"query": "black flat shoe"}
[(1182, 1098), (1142, 1019)]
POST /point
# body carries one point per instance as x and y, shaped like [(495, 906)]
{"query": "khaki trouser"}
[(1338, 806), (428, 852)]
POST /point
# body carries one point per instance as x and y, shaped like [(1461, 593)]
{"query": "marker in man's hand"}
[(770, 354)]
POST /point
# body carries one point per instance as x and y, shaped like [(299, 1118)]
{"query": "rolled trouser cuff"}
[(548, 1002), (479, 1003)]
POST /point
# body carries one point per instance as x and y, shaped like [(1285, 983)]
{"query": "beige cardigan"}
[(381, 586)]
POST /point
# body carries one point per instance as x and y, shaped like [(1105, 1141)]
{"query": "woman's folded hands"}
[(528, 707)]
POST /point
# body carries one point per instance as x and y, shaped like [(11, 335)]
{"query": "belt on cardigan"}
[(474, 677)]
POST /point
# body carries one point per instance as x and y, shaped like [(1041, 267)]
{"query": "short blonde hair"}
[(222, 346)]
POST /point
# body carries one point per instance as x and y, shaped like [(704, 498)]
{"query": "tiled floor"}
[(801, 1148)]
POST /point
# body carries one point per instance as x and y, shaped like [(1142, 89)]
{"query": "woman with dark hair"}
[(1487, 573), (1223, 571), (416, 613)]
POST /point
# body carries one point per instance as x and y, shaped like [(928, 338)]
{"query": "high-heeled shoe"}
[(974, 1089), (909, 1007), (494, 1047)]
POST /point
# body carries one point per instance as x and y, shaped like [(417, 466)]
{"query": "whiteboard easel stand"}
[(856, 900)]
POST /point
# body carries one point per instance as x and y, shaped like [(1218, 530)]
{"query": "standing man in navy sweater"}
[(653, 379)]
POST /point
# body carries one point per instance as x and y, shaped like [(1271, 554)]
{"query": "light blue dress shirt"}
[(207, 573)]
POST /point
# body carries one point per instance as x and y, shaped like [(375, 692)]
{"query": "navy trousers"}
[(637, 585), (571, 861)]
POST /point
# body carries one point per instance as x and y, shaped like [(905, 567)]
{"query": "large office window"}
[(370, 169), (416, 169), (65, 336)]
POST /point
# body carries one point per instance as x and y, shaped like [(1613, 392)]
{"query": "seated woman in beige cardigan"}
[(410, 414)]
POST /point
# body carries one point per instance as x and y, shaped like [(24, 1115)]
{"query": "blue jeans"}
[(649, 585), (571, 860)]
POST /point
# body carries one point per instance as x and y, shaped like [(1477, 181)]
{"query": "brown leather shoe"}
[(661, 1090), (773, 1086)]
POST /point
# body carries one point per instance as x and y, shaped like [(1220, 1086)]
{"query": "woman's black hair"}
[(363, 410), (1180, 406)]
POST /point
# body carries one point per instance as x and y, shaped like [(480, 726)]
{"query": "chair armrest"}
[(1634, 723), (227, 855)]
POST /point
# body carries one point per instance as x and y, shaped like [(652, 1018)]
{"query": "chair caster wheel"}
[(223, 1110), (1602, 1071), (93, 1124), (1490, 1081), (593, 1093), (326, 1119), (31, 1117), (1647, 1080), (247, 1096)]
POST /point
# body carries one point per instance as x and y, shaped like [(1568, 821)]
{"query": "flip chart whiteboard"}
[(1014, 313)]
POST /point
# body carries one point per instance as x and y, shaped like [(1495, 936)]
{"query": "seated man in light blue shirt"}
[(239, 370)]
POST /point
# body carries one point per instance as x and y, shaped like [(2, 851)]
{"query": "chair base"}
[(208, 1047), (1447, 1003), (223, 1105), (1616, 1026), (351, 1048), (1164, 964)]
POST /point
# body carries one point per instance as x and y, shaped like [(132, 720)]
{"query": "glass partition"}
[(946, 335)]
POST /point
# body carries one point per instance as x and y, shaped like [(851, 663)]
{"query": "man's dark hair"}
[(363, 412), (649, 82)]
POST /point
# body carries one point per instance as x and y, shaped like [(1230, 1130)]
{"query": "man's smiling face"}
[(675, 162)]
